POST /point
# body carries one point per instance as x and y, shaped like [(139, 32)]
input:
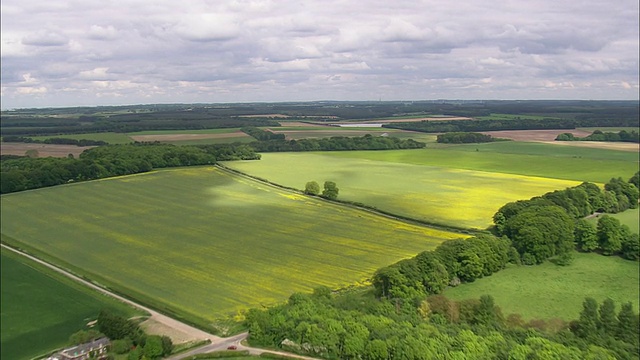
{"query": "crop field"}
[(446, 196), (110, 137), (40, 308), (202, 243), (551, 291), (512, 157)]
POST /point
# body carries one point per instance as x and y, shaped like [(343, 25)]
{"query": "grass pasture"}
[(447, 196), (551, 291), (200, 242), (41, 308)]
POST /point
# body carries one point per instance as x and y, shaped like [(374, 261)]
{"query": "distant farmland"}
[(202, 243)]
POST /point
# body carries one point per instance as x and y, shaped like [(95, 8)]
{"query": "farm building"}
[(96, 349)]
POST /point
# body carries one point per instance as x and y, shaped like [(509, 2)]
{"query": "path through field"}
[(217, 343)]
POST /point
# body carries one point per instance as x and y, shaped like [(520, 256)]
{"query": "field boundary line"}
[(357, 206)]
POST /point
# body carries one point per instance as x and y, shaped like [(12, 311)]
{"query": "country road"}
[(217, 343)]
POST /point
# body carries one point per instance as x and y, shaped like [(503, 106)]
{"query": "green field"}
[(41, 308), (448, 196), (200, 242), (521, 158), (110, 137), (629, 217), (548, 290)]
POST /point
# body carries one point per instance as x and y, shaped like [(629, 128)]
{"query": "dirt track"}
[(44, 150)]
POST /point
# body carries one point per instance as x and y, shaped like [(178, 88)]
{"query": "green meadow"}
[(551, 291), (41, 308), (447, 196), (201, 243)]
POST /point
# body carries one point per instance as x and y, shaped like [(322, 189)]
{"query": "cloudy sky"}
[(86, 52)]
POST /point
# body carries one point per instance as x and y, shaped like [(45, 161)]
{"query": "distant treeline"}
[(464, 138), (337, 143), (24, 173), (624, 136), (513, 124), (31, 122), (261, 135), (63, 141), (171, 120)]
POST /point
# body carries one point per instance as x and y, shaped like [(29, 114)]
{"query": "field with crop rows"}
[(447, 196), (202, 243), (40, 308), (546, 291)]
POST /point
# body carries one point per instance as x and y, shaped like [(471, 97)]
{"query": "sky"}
[(112, 52)]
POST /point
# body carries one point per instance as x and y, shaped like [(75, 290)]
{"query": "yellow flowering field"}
[(448, 196), (203, 243)]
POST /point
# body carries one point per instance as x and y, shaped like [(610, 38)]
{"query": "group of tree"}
[(601, 325), (597, 135), (54, 140), (452, 262), (434, 126), (330, 189), (23, 173), (352, 325), (260, 134), (126, 338), (464, 138), (550, 225), (337, 143), (609, 237)]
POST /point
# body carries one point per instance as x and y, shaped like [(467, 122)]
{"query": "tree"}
[(587, 324), (167, 345), (116, 327), (586, 236), (330, 190), (631, 247), (607, 322), (609, 235), (32, 153), (153, 347), (628, 326), (312, 188)]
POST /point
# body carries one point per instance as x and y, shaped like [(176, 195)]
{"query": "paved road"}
[(217, 343)]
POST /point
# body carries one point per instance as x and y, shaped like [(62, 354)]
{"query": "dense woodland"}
[(624, 136), (464, 138), (337, 143), (434, 126)]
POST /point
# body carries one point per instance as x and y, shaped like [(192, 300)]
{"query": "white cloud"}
[(267, 50)]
